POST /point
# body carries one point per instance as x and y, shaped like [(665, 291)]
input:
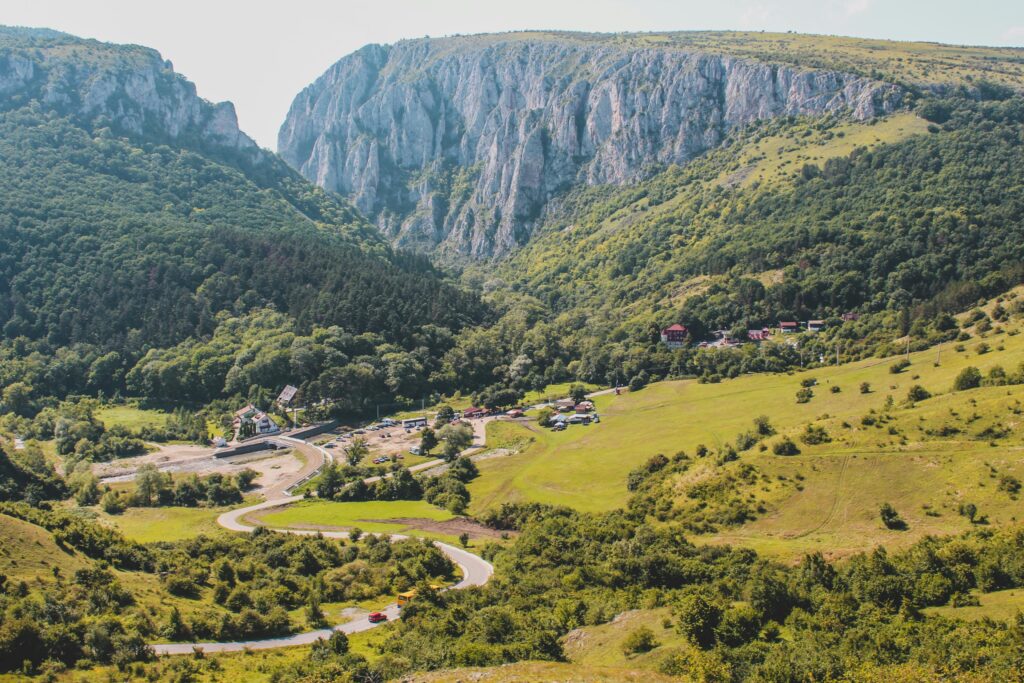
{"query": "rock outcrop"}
[(127, 88), (459, 143)]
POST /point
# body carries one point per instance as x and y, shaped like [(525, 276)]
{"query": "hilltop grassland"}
[(925, 457), (908, 63)]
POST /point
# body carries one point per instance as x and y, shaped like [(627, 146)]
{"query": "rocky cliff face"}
[(459, 143), (128, 88)]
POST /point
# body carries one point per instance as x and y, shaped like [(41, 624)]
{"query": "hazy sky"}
[(259, 54)]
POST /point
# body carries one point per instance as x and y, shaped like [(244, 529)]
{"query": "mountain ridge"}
[(458, 144)]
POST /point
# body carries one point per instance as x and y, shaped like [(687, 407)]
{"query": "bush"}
[(763, 426), (969, 378), (899, 366), (639, 381), (804, 395), (112, 503), (890, 518), (639, 640), (865, 387), (785, 446), (835, 389), (918, 393), (814, 435), (746, 441)]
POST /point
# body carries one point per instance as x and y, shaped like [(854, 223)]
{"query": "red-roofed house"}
[(789, 328), (674, 336), (815, 325), (758, 335)]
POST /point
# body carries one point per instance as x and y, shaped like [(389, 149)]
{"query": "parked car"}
[(415, 450), (558, 427), (330, 445), (377, 617)]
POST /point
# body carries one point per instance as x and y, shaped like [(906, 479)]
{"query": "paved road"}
[(475, 571)]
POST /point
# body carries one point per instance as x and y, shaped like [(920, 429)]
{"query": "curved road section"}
[(475, 572)]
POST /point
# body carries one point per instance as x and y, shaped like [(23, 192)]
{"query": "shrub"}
[(890, 518), (763, 426), (1009, 483), (808, 382), (918, 393), (865, 387), (746, 441), (639, 640), (835, 389), (970, 511), (814, 435), (804, 395), (969, 378), (639, 381), (785, 446), (112, 503), (899, 366)]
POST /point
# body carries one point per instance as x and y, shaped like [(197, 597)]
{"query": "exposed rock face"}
[(459, 143), (128, 88)]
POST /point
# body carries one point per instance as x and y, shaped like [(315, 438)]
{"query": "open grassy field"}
[(999, 605), (601, 645), (28, 551), (543, 672), (131, 417), (774, 158), (925, 459), (147, 525), (388, 517)]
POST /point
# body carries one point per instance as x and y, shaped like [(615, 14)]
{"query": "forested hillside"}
[(119, 241), (900, 228)]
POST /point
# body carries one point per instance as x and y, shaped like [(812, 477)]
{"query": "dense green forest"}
[(113, 248)]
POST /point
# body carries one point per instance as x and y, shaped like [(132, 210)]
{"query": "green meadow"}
[(925, 459), (387, 517)]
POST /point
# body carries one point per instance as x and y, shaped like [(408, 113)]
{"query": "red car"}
[(377, 617)]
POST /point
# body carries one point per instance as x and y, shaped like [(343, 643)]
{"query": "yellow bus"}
[(404, 598)]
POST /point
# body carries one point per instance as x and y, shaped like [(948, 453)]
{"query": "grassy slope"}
[(774, 158), (369, 516), (903, 62), (131, 417), (1000, 605), (28, 551), (147, 525), (844, 481), (542, 672)]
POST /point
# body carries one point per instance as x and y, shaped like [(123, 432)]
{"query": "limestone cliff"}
[(127, 88), (459, 143)]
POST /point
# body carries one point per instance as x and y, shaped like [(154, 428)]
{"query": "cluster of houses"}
[(676, 336)]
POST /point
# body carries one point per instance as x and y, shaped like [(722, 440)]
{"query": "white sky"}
[(259, 54)]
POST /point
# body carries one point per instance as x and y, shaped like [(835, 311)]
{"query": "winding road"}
[(475, 570)]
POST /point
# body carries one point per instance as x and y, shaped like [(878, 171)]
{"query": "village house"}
[(850, 317), (815, 325), (251, 421), (789, 327), (469, 413), (674, 336), (758, 335)]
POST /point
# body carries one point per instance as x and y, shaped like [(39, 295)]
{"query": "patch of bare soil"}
[(276, 468)]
